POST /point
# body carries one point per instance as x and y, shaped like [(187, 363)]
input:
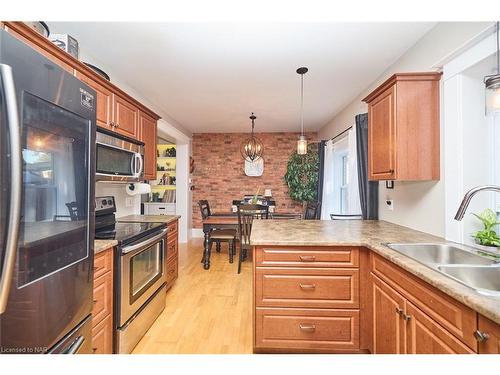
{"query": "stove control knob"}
[(110, 202), (104, 202)]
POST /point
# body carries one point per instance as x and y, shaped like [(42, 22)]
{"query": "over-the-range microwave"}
[(118, 158)]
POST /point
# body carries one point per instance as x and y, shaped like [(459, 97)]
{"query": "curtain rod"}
[(338, 135)]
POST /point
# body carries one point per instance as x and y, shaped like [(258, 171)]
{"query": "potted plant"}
[(487, 236)]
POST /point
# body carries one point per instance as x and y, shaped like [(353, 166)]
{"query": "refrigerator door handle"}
[(77, 344), (7, 270)]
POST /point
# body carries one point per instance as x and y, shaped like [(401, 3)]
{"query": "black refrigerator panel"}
[(51, 285)]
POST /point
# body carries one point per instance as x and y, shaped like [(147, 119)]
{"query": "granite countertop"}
[(372, 234), (148, 218), (101, 245)]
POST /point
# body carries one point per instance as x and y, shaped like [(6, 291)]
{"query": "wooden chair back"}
[(246, 215), (311, 211), (204, 209)]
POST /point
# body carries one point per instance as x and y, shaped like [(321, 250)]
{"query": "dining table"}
[(229, 220)]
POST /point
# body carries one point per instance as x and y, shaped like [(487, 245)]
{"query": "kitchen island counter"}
[(373, 235)]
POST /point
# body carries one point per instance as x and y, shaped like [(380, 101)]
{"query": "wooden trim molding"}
[(40, 41)]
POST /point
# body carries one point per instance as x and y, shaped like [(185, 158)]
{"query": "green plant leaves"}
[(487, 236), (302, 175)]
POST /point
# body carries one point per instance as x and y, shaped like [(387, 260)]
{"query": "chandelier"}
[(251, 149)]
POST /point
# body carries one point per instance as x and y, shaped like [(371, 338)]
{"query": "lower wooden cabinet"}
[(388, 327), (314, 329), (488, 335), (172, 264), (102, 336), (102, 312), (425, 336)]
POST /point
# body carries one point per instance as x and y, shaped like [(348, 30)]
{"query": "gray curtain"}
[(368, 190), (321, 156)]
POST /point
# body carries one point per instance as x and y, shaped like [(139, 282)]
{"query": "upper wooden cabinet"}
[(147, 134), (403, 128), (125, 117)]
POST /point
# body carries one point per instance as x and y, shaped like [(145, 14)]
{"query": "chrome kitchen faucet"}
[(468, 196)]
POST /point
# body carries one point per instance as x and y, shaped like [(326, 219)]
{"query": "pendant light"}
[(251, 149), (492, 83), (302, 142)]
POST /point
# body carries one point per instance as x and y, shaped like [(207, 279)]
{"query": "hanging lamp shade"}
[(251, 148), (302, 142), (492, 83)]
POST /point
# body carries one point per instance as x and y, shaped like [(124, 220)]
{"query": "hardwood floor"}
[(206, 311)]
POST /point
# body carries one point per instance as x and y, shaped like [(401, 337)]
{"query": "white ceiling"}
[(209, 76)]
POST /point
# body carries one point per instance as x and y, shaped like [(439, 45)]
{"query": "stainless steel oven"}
[(141, 288), (118, 158)]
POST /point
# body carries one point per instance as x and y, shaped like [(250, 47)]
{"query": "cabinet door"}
[(425, 336), (148, 136), (492, 344), (388, 325), (125, 117), (102, 337), (382, 136), (104, 109)]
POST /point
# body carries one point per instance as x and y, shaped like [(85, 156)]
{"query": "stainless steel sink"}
[(434, 255), (485, 280)]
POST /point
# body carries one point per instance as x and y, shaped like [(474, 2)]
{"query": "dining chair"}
[(219, 235), (247, 213), (346, 217), (311, 211)]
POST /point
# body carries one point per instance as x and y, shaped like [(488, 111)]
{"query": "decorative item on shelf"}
[(170, 152), (268, 193), (40, 27), (302, 176), (251, 149), (173, 180), (155, 197), (157, 153), (302, 142), (492, 82), (487, 236), (101, 72), (66, 43), (165, 179)]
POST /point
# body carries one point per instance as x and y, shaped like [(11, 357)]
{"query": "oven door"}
[(118, 159), (142, 273)]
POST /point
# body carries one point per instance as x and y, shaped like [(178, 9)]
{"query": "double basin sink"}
[(481, 273)]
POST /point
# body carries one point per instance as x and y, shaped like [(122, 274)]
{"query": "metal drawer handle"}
[(399, 311), (307, 327), (407, 318), (481, 336), (307, 286), (307, 258)]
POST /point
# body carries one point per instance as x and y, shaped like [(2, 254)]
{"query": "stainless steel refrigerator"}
[(47, 166)]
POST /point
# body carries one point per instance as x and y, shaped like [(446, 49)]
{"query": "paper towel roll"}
[(138, 188)]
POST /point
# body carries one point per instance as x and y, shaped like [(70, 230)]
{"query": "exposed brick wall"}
[(219, 175)]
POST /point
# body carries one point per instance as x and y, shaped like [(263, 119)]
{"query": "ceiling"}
[(208, 77)]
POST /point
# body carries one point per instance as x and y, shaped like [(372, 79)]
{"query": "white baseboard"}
[(197, 233)]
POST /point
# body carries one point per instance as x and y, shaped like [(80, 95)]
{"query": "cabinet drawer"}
[(103, 297), (102, 337), (457, 318), (306, 329), (173, 229), (172, 271), (307, 257), (171, 249), (103, 262), (325, 288)]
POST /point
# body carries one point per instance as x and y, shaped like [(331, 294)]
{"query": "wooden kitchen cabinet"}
[(425, 336), (102, 312), (147, 134), (172, 264), (125, 117), (307, 299), (403, 128), (388, 327), (491, 333)]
